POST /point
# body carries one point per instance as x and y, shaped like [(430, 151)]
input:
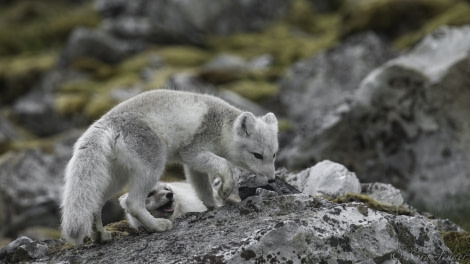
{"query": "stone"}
[(31, 187), (383, 192), (289, 228), (7, 133), (316, 92), (23, 249), (187, 22), (98, 44), (250, 186), (405, 123), (35, 111), (329, 179)]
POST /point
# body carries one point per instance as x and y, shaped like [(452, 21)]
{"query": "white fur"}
[(184, 201), (133, 141)]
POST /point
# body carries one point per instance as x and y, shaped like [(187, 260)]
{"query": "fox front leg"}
[(210, 164)]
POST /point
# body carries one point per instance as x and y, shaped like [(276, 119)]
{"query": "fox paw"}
[(162, 224), (226, 189), (101, 236)]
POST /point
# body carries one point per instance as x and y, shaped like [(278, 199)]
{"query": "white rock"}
[(332, 179)]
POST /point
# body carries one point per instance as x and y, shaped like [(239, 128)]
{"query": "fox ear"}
[(245, 124), (270, 119)]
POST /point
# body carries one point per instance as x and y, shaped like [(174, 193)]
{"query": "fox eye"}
[(274, 155), (150, 194), (258, 156), (166, 188)]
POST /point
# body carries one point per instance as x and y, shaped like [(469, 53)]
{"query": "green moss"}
[(373, 204), (97, 69), (281, 41), (91, 97), (459, 244), (391, 17), (19, 74), (253, 90), (30, 26), (183, 55), (455, 16)]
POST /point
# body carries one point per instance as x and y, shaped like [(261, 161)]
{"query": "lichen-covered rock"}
[(276, 229)]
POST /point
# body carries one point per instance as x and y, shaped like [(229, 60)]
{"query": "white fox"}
[(133, 142), (167, 200)]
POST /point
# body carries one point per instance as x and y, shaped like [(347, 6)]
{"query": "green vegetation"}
[(456, 15), (19, 74), (34, 26), (459, 244)]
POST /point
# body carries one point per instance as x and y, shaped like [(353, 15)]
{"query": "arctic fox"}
[(134, 140), (167, 200)]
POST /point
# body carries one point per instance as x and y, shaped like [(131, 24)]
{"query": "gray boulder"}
[(187, 21), (30, 187), (406, 123), (35, 111), (7, 133), (383, 192), (316, 92), (98, 44), (273, 229)]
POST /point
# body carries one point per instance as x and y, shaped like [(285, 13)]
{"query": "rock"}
[(98, 44), (7, 133), (22, 249), (289, 228), (31, 187), (316, 92), (250, 186), (36, 112), (383, 192), (187, 22), (223, 68), (406, 123), (325, 178)]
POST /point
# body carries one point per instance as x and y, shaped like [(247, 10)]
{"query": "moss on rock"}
[(457, 15), (19, 74), (184, 55), (459, 244), (40, 25), (373, 204), (253, 90), (390, 17)]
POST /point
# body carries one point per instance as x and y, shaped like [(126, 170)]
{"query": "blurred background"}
[(381, 86)]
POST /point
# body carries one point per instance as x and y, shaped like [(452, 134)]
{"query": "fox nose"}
[(169, 195), (271, 180)]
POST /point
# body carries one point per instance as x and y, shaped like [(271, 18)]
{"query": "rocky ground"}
[(381, 87)]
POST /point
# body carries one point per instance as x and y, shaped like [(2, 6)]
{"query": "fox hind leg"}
[(145, 155)]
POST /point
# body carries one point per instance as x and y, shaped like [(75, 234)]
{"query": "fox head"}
[(255, 140)]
